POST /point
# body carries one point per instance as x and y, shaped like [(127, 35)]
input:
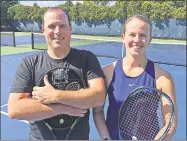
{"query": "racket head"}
[(141, 114), (63, 78)]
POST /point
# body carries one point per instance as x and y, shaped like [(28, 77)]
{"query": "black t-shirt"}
[(33, 67)]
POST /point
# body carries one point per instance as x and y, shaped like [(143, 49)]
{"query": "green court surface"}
[(7, 50)]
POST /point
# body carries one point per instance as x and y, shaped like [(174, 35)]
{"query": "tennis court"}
[(166, 53)]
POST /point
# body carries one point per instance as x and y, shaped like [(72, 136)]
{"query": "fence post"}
[(32, 40), (14, 39)]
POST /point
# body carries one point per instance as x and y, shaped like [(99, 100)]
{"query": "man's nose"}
[(57, 29)]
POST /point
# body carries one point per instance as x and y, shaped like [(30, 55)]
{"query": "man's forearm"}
[(31, 110), (85, 98)]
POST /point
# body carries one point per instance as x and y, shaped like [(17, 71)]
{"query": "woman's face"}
[(136, 37)]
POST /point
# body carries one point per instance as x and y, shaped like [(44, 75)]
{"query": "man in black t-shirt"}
[(57, 30)]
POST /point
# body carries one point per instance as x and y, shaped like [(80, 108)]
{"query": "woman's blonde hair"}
[(140, 17)]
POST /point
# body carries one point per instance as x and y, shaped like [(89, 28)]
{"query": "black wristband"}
[(106, 139)]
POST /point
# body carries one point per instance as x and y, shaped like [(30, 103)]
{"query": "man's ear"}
[(42, 28), (123, 36)]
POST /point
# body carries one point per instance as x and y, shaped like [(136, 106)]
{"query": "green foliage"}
[(179, 13), (101, 3), (103, 11), (119, 10), (146, 8), (19, 12), (4, 8), (75, 12)]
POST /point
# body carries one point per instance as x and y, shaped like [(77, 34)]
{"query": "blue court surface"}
[(18, 130)]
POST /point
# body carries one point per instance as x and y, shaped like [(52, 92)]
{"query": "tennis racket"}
[(63, 78), (146, 114)]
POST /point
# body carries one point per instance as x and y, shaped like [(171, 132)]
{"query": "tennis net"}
[(169, 54), (8, 39)]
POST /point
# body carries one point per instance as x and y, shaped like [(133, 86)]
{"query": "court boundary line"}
[(6, 114), (154, 42), (4, 105)]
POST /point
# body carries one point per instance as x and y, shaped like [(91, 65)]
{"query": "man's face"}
[(57, 30), (136, 37)]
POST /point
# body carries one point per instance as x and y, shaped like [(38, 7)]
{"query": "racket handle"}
[(48, 126), (51, 130), (69, 132)]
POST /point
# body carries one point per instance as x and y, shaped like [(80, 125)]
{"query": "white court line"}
[(4, 105), (107, 65), (4, 113), (168, 43), (101, 39)]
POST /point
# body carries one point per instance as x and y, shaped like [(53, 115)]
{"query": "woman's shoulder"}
[(161, 72), (162, 76)]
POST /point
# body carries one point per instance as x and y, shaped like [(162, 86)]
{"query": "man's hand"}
[(46, 94)]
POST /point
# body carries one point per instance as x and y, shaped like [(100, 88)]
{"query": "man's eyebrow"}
[(131, 32), (63, 24), (143, 33)]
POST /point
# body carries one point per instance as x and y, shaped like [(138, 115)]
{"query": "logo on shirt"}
[(131, 85)]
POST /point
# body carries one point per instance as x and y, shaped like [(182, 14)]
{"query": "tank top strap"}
[(150, 68)]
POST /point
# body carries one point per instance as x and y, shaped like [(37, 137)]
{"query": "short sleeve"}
[(94, 69), (23, 80)]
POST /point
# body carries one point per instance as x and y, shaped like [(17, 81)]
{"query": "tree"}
[(35, 12), (119, 10), (36, 5), (178, 4), (146, 8), (102, 3), (4, 8), (68, 5), (75, 12), (19, 12)]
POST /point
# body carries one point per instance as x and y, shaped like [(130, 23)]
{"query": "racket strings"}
[(132, 121), (135, 129)]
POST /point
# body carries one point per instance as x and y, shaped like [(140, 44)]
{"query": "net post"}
[(14, 39), (32, 40)]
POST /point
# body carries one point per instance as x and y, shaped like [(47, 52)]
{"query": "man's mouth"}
[(58, 38)]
